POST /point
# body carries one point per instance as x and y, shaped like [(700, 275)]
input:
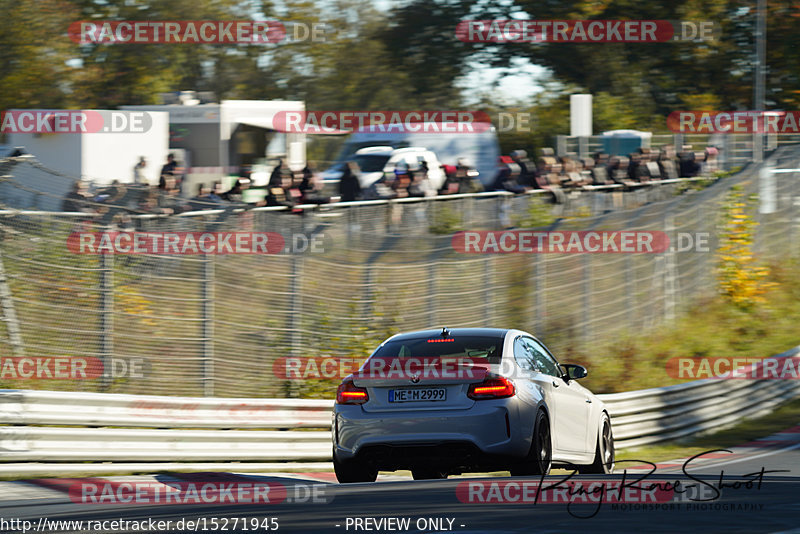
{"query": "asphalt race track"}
[(753, 488)]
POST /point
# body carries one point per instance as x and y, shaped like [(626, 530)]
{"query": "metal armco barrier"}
[(186, 429)]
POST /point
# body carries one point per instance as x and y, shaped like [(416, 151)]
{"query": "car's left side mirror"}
[(575, 372)]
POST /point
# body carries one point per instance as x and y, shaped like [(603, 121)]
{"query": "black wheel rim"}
[(544, 445), (608, 448)]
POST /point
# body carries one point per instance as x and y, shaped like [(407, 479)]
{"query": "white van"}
[(377, 161), (481, 148)]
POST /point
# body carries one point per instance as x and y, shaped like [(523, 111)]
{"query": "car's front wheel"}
[(604, 451), (539, 457), (348, 471)]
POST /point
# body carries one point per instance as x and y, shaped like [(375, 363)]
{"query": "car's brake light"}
[(349, 393), (492, 388)]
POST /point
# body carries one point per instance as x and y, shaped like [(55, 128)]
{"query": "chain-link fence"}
[(217, 324)]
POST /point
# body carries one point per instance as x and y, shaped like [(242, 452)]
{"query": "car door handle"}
[(555, 384)]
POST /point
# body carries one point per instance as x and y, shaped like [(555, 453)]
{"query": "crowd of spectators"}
[(518, 173), (291, 188), (286, 188)]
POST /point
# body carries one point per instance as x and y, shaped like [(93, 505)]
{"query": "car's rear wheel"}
[(428, 473), (540, 455), (348, 471), (604, 452)]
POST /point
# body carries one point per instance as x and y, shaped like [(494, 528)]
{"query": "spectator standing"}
[(527, 170), (138, 171), (467, 177), (78, 199), (276, 177), (167, 171), (450, 184), (666, 162), (350, 183), (235, 193)]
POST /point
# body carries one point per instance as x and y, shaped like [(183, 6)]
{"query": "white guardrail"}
[(98, 427)]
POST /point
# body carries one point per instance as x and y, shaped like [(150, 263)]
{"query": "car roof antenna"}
[(445, 332)]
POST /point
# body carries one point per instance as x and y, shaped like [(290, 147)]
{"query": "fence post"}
[(630, 290), (207, 334), (431, 300), (349, 224), (368, 292), (678, 142), (106, 348), (725, 160), (10, 313), (669, 270), (758, 147), (793, 219), (561, 145), (488, 284), (294, 314), (583, 146), (587, 296), (539, 299)]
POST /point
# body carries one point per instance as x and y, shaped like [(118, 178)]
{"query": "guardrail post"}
[(106, 348), (207, 334)]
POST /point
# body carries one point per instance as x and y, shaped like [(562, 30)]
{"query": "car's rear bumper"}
[(486, 428)]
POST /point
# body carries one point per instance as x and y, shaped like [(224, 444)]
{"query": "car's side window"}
[(523, 355), (543, 361)]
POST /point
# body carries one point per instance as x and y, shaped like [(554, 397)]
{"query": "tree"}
[(34, 53)]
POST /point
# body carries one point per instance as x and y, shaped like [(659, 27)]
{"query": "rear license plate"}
[(417, 394)]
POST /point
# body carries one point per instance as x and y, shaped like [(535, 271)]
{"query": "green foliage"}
[(712, 327), (538, 214), (444, 220)]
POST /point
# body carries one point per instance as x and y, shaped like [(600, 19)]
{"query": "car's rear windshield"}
[(489, 348)]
